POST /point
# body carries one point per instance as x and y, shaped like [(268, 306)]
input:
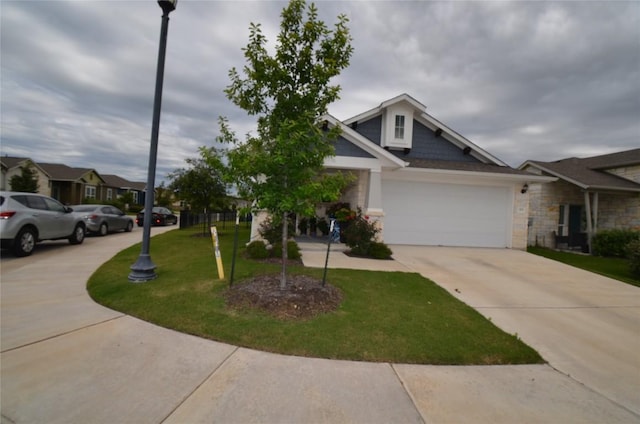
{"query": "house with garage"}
[(590, 194), (426, 184)]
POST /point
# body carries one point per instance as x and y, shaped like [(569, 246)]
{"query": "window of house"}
[(109, 194), (563, 221), (399, 133), (90, 192), (135, 197)]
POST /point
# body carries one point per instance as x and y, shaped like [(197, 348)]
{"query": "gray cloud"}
[(524, 80)]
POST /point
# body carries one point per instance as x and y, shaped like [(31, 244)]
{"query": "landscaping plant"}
[(360, 235), (613, 242), (633, 253), (280, 169), (392, 317)]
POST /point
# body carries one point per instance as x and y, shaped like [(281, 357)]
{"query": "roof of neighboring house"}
[(590, 173), (138, 185), (11, 162), (61, 172), (614, 160), (116, 181)]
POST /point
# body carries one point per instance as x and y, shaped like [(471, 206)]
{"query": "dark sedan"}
[(161, 216), (103, 219)]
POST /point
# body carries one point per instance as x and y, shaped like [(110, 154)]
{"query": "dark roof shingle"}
[(590, 173)]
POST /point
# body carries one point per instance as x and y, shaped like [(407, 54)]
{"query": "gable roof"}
[(61, 172), (365, 144), (119, 182), (429, 121), (10, 162), (590, 173), (614, 160)]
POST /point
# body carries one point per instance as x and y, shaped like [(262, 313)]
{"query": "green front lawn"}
[(385, 316), (616, 268)]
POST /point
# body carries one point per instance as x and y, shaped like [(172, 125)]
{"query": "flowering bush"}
[(345, 215), (360, 234)]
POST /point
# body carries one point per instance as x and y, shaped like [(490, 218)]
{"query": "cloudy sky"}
[(523, 80)]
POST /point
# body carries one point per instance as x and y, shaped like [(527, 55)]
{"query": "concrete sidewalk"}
[(67, 360)]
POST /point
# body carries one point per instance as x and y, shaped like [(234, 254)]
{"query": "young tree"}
[(27, 181), (164, 196), (201, 185), (289, 91)]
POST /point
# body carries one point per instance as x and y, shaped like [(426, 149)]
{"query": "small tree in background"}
[(201, 185), (280, 169), (164, 196), (27, 181), (126, 202)]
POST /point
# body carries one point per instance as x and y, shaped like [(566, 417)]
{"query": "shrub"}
[(359, 234), (613, 243), (271, 230), (293, 251), (633, 253), (303, 226), (332, 211), (323, 226), (257, 250), (378, 250)]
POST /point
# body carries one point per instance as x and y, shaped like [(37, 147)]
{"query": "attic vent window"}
[(399, 134)]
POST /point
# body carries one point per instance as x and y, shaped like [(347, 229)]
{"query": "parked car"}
[(27, 218), (102, 219), (161, 216)]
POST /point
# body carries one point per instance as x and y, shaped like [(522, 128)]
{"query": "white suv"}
[(27, 218)]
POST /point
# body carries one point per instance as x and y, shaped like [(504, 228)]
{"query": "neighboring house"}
[(11, 166), (425, 184), (590, 194), (115, 186), (72, 185)]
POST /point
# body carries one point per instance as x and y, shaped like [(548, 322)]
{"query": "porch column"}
[(587, 205), (595, 212), (374, 203)]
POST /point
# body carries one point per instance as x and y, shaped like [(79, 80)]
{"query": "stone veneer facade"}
[(615, 210)]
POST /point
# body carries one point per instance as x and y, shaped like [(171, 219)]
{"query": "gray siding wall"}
[(346, 148), (425, 144), (372, 129)]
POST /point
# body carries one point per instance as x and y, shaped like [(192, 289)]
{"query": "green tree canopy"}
[(280, 168), (201, 185), (27, 181)]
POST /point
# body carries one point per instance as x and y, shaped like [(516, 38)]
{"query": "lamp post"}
[(144, 268)]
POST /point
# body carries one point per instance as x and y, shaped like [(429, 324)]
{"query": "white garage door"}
[(446, 214)]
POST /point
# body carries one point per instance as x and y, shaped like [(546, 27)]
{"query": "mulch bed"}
[(303, 297)]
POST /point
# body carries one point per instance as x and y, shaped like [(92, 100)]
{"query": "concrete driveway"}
[(585, 325), (66, 359)]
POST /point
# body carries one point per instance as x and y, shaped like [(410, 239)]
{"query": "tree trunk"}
[(283, 277)]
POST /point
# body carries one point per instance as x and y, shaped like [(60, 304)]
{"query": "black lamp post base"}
[(143, 270)]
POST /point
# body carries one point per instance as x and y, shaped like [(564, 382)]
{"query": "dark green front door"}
[(575, 219)]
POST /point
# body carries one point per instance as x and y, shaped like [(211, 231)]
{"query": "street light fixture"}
[(144, 269)]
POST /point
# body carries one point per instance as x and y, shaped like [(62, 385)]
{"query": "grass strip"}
[(384, 317), (616, 268)]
